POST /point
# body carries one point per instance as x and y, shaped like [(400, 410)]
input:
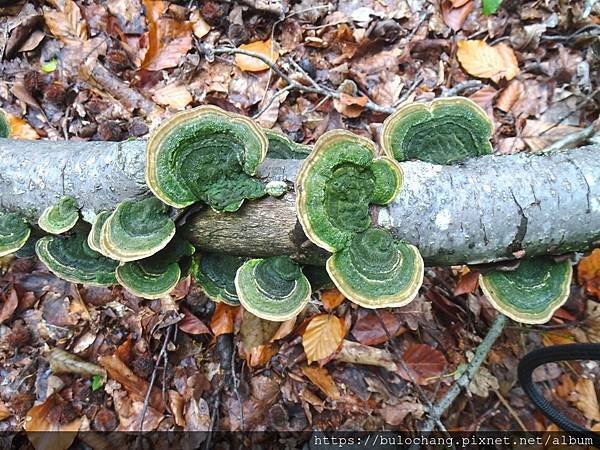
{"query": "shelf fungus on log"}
[(282, 147), (136, 230), (532, 292), (4, 125), (61, 217), (336, 184), (273, 289), (376, 270), (206, 154), (14, 233), (71, 259), (215, 273), (95, 235), (443, 131), (157, 275)]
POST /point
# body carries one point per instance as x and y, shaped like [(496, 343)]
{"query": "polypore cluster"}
[(210, 156)]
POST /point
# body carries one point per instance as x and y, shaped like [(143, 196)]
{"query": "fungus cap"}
[(377, 271), (443, 131), (273, 289), (532, 292), (4, 125), (14, 232), (61, 217), (136, 230), (206, 154), (95, 235), (336, 184), (71, 259), (282, 147), (216, 274)]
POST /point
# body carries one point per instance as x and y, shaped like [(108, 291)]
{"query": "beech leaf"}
[(264, 48), (322, 337), (588, 273), (425, 363), (321, 378), (483, 61)]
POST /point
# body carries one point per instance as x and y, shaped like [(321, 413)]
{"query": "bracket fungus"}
[(206, 154), (282, 147), (95, 235), (4, 126), (532, 292), (216, 274), (336, 184), (61, 217), (14, 233), (157, 275), (376, 270), (443, 131), (71, 259), (136, 230), (273, 289)]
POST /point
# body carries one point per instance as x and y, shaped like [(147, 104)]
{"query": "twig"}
[(162, 355), (461, 87), (465, 379), (236, 383), (574, 139), (510, 409)]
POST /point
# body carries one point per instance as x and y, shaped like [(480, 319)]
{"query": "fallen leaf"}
[(190, 324), (4, 411), (174, 95), (199, 25), (483, 382), (176, 405), (20, 129), (588, 273), (260, 355), (395, 414), (510, 95), (368, 329), (538, 134), (332, 298), (197, 415), (350, 105), (10, 301), (356, 353), (284, 329), (40, 427), (322, 336), (66, 23), (484, 97), (587, 402), (267, 49), (483, 61), (467, 283), (456, 12), (321, 378), (426, 363), (130, 413), (223, 319), (551, 338), (62, 361)]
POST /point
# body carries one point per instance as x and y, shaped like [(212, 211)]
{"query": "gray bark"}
[(485, 210)]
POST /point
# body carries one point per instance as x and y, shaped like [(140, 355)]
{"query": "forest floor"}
[(112, 69)]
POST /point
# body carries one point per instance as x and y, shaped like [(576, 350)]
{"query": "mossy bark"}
[(487, 209)]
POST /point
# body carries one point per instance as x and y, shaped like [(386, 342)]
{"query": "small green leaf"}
[(97, 382), (50, 66), (490, 6)]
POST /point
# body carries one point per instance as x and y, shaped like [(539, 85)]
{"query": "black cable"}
[(556, 353)]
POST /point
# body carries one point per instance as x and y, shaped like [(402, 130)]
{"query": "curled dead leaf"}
[(267, 49), (321, 378), (332, 298)]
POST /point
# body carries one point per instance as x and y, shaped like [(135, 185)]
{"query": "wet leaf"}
[(588, 273), (483, 61), (588, 400), (190, 324), (426, 363), (322, 336), (332, 298), (321, 378), (267, 49)]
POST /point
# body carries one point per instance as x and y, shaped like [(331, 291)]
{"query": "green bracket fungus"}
[(216, 274), (318, 277), (95, 235), (157, 275), (4, 125), (61, 217), (136, 230), (14, 232), (273, 289), (443, 131), (376, 270), (276, 188), (71, 259), (532, 292), (336, 184), (282, 147), (206, 154)]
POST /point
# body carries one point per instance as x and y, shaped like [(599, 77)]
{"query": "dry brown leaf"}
[(350, 105), (223, 319), (321, 378), (190, 324), (20, 129), (510, 95), (174, 95), (426, 364), (587, 402), (322, 336), (538, 134), (4, 411), (38, 422), (394, 414), (200, 27), (588, 273), (284, 329), (176, 404), (483, 61), (455, 12), (332, 298), (197, 415), (67, 23), (356, 353), (467, 283), (10, 301), (267, 49), (64, 362), (551, 338)]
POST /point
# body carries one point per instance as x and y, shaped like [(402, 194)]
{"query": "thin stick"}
[(510, 409)]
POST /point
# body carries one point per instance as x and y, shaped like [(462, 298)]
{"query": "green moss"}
[(532, 292), (444, 131)]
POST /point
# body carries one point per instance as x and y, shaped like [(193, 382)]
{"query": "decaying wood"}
[(488, 209)]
